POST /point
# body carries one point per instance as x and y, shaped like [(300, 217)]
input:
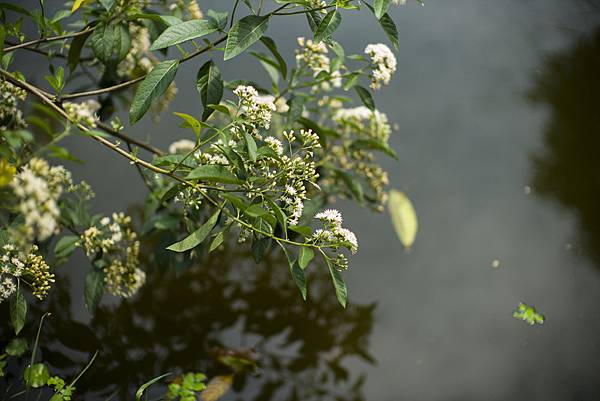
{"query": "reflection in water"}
[(569, 168), (179, 320)]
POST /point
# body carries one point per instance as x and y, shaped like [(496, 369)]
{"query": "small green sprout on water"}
[(528, 314)]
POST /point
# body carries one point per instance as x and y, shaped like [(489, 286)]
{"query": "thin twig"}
[(50, 39)]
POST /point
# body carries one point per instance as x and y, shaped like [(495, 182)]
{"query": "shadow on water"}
[(185, 321), (568, 168)]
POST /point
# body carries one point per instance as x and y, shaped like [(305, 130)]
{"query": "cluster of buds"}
[(83, 112), (11, 118), (256, 110), (27, 266)]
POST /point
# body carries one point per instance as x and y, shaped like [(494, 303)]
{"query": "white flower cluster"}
[(182, 146), (16, 264), (11, 117), (84, 112), (383, 64), (139, 60), (256, 109), (379, 127), (333, 234), (38, 187), (116, 243), (317, 4), (314, 56)]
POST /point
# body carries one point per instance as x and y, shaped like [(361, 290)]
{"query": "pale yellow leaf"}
[(76, 5), (404, 217), (217, 387)]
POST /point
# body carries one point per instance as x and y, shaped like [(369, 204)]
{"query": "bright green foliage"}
[(36, 375), (528, 314), (186, 387)]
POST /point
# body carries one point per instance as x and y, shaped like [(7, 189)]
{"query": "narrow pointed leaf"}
[(182, 32), (18, 311), (251, 145), (365, 97), (404, 217), (328, 25), (244, 33), (299, 277), (341, 292), (196, 238), (210, 86), (380, 7), (270, 44), (154, 85), (212, 172)]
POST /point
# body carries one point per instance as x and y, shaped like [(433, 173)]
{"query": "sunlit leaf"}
[(16, 347), (244, 33), (529, 314), (154, 85), (36, 375), (404, 217)]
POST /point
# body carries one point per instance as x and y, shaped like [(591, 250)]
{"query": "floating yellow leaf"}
[(404, 217), (217, 387)]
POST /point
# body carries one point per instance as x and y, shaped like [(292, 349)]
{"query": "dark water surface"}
[(498, 104)]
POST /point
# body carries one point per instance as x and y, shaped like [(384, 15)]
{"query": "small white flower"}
[(332, 216), (383, 64)]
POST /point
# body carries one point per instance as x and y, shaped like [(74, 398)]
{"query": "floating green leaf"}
[(529, 314), (196, 238), (182, 32), (210, 86), (404, 217), (244, 33), (154, 85)]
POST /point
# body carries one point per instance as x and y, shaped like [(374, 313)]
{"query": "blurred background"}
[(499, 146)]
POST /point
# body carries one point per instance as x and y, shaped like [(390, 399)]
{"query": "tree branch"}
[(49, 39)]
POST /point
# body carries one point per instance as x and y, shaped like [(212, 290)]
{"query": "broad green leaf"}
[(111, 42), (143, 387), (305, 255), (210, 86), (251, 145), (218, 18), (196, 238), (154, 85), (182, 32), (16, 347), (192, 122), (255, 210), (341, 291), (365, 97), (529, 314), (244, 33), (380, 7), (328, 25), (18, 310), (107, 4), (270, 44), (302, 230), (36, 375), (213, 172), (94, 288), (404, 217)]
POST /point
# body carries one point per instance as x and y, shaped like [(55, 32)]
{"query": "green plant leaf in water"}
[(36, 375), (529, 314)]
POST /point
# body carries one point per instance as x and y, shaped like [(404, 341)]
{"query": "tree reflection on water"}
[(180, 320), (568, 169)]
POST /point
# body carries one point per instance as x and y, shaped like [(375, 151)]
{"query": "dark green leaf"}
[(338, 283), (94, 288), (154, 85), (210, 86), (213, 172), (16, 347), (373, 144), (302, 230), (329, 24), (388, 25), (255, 210), (196, 238), (65, 246), (218, 18), (259, 247), (299, 277), (270, 44), (111, 43), (251, 145), (244, 33), (353, 185), (281, 217), (75, 51), (18, 310), (182, 32), (365, 97)]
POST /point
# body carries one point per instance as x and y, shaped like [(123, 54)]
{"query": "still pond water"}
[(498, 107)]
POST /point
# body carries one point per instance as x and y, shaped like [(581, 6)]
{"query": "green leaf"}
[(255, 210), (529, 314), (374, 144), (299, 277), (182, 32), (18, 310), (244, 33), (213, 172), (16, 347), (328, 25), (218, 18), (365, 97), (94, 288), (111, 43), (36, 375), (143, 387), (107, 4), (217, 241), (154, 85), (75, 51), (305, 231), (404, 217), (196, 238), (270, 44), (260, 247), (341, 291), (251, 145), (305, 256), (76, 5), (192, 122), (380, 7), (388, 25), (65, 246), (210, 86), (281, 217), (353, 185)]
